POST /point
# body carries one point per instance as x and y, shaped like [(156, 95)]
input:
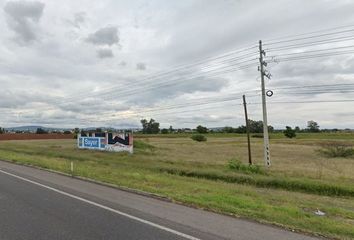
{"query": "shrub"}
[(337, 149), (289, 132), (199, 138), (236, 164), (257, 135)]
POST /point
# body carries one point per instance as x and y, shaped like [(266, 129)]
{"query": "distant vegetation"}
[(150, 127), (289, 132), (201, 129), (199, 138), (337, 149), (41, 131), (235, 164)]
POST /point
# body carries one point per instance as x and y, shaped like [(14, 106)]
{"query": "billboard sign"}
[(113, 142)]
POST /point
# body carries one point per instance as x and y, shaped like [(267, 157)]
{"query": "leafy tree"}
[(76, 130), (241, 129), (297, 129), (201, 129), (41, 131), (67, 132), (228, 129), (171, 130), (255, 127), (2, 130), (150, 127), (164, 131), (312, 126), (289, 132)]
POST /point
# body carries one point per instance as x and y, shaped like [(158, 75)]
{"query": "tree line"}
[(153, 127)]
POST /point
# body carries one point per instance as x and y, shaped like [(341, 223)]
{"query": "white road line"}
[(186, 236)]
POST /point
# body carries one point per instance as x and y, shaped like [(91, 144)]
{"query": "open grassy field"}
[(299, 182)]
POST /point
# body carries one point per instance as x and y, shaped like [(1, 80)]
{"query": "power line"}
[(172, 82), (308, 101), (308, 33), (313, 56), (175, 81), (311, 51), (179, 68), (319, 85), (309, 37), (313, 43)]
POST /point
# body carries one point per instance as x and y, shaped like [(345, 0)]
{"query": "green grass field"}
[(299, 182)]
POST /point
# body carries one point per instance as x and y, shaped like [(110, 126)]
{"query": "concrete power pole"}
[(264, 106)]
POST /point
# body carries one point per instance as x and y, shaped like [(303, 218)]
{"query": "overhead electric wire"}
[(319, 92), (312, 32), (157, 114), (310, 101), (309, 37), (313, 56), (316, 86), (158, 84), (311, 51), (144, 89), (130, 115), (191, 103), (313, 43), (177, 69)]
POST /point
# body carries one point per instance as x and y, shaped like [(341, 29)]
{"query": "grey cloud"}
[(141, 66), (174, 89), (23, 18), (18, 99), (105, 53), (104, 36), (123, 63), (78, 20)]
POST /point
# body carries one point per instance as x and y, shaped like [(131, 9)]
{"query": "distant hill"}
[(33, 129)]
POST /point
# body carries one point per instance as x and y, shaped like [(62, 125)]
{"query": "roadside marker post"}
[(72, 168)]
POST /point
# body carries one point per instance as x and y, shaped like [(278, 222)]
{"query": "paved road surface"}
[(37, 205)]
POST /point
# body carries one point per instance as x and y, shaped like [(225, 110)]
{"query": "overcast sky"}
[(100, 63)]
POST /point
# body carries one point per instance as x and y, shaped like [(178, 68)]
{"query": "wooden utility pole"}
[(247, 130)]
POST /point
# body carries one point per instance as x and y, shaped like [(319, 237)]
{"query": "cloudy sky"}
[(111, 63)]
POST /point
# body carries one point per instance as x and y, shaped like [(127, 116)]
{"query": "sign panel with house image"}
[(113, 142)]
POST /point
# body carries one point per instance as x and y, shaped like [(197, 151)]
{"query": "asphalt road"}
[(36, 204)]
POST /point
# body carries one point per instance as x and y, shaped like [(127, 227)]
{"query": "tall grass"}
[(337, 149), (307, 186)]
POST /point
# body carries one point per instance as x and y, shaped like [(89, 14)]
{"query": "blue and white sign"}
[(110, 142), (89, 142)]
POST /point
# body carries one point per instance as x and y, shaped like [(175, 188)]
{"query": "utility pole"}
[(247, 130), (264, 105)]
